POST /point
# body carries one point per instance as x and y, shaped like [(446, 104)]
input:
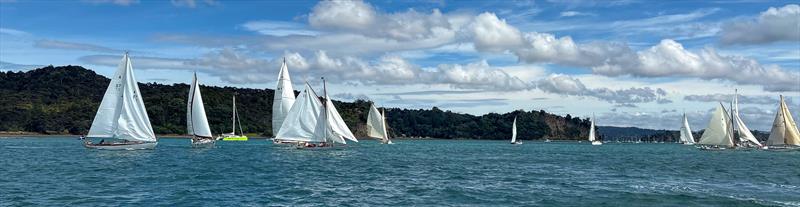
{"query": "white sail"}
[(283, 98), (686, 132), (375, 124), (336, 128), (122, 113), (514, 131), (784, 130), (744, 133), (718, 130), (197, 122), (301, 121), (591, 132)]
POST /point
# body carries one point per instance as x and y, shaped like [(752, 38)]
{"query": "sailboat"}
[(746, 137), (283, 99), (784, 133), (686, 133), (592, 134), (196, 121), (122, 115), (376, 125), (514, 132), (233, 136), (719, 134), (312, 124)]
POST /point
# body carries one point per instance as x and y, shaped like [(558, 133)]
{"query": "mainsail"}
[(122, 114), (514, 131), (744, 133), (375, 124), (718, 130), (784, 129), (301, 121), (197, 123), (686, 132), (283, 99)]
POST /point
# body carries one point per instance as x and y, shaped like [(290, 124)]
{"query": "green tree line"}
[(64, 100)]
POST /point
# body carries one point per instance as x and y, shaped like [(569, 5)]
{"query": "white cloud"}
[(342, 15), (773, 25), (574, 14), (478, 76), (492, 34), (13, 32), (277, 28)]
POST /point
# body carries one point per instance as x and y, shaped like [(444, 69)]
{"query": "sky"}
[(627, 62)]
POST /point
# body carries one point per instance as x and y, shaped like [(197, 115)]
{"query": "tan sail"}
[(784, 129)]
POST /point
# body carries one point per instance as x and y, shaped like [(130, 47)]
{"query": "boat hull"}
[(236, 138), (203, 142), (597, 143), (122, 146)]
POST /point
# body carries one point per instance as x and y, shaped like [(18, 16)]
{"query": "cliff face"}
[(64, 100)]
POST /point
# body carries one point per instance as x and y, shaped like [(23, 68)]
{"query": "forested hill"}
[(63, 100)]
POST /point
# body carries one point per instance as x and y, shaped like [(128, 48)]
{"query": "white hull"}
[(597, 143), (122, 146), (688, 143), (387, 142), (203, 142), (516, 143)]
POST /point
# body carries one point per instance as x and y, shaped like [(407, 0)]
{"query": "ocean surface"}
[(61, 172)]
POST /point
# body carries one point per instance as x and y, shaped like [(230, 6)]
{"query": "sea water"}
[(61, 172)]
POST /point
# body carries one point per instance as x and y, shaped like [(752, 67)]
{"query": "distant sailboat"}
[(233, 136), (196, 121), (718, 134), (745, 135), (376, 125), (784, 133), (686, 133), (122, 114), (514, 132), (592, 134), (283, 99)]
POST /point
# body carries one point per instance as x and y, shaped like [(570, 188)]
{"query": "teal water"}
[(59, 171)]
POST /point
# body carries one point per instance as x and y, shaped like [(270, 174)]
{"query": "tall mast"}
[(325, 107), (233, 116)]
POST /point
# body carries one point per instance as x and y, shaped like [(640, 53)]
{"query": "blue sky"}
[(632, 63)]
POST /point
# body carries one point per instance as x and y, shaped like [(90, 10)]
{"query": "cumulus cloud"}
[(773, 25), (55, 44), (237, 67), (350, 96), (478, 76), (566, 85), (493, 34)]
